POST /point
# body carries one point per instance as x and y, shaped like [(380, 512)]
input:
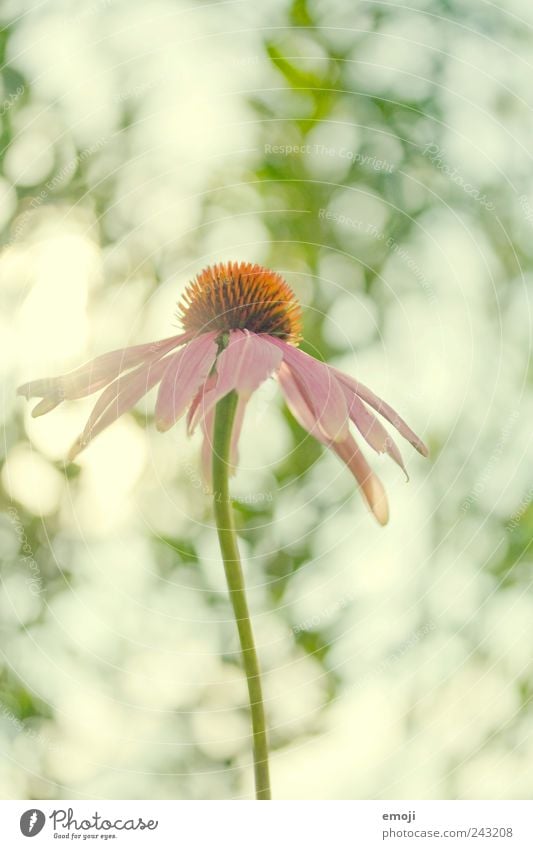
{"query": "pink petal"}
[(372, 430), (209, 398), (245, 363), (370, 485), (45, 405), (297, 404), (321, 390), (236, 432), (119, 397), (384, 409), (188, 369), (95, 374), (207, 448), (197, 406), (208, 421)]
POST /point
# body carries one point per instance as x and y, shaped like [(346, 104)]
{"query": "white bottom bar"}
[(274, 825)]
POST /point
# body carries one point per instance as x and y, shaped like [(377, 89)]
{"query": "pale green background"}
[(137, 148)]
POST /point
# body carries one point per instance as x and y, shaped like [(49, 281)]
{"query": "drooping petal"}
[(243, 365), (208, 421), (236, 433), (369, 483), (246, 362), (119, 397), (187, 371), (95, 374), (372, 430), (197, 406), (383, 409), (320, 387), (297, 404), (46, 404)]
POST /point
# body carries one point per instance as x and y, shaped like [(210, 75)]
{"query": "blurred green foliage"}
[(312, 81)]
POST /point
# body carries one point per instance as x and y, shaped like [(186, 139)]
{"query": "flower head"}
[(241, 296), (242, 325)]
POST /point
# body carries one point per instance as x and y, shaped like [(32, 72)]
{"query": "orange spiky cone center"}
[(241, 296)]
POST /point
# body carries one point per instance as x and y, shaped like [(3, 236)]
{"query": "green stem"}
[(227, 537)]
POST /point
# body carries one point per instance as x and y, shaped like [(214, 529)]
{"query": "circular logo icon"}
[(32, 822)]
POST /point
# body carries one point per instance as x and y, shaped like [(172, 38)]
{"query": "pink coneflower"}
[(241, 326)]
